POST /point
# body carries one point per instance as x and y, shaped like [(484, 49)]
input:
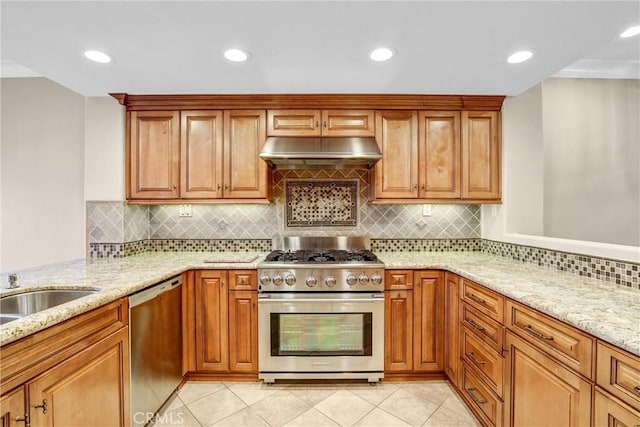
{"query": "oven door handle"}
[(275, 299)]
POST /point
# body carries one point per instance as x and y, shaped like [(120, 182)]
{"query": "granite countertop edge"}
[(607, 311)]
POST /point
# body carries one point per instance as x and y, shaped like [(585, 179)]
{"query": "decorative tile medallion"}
[(320, 203)]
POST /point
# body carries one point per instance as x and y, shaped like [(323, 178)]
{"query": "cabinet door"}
[(398, 336), (153, 155), (245, 173), (201, 155), (481, 155), (13, 409), (348, 123), (451, 328), (212, 352), (243, 331), (293, 122), (542, 389), (428, 323), (610, 412), (396, 175), (439, 151), (89, 389)]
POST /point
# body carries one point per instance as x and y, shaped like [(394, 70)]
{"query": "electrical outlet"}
[(184, 210), (426, 210)]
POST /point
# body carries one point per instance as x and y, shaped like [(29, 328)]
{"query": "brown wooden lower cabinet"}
[(72, 374), (414, 322), (86, 390), (398, 334), (13, 410), (541, 391), (224, 333), (611, 412)]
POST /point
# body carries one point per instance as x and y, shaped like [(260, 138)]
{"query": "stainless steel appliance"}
[(155, 341), (321, 310), (306, 152)]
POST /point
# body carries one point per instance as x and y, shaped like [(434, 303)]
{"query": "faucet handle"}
[(13, 280)]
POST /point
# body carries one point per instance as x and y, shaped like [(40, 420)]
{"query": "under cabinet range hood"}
[(288, 152)]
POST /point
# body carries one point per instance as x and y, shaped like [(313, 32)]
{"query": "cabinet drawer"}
[(487, 362), (293, 123), (490, 331), (618, 372), (32, 355), (481, 400), (348, 123), (482, 299), (243, 280), (570, 346), (398, 279), (609, 411)]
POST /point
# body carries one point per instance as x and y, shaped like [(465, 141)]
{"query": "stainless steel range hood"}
[(320, 153)]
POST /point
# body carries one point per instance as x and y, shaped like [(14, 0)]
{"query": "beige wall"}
[(104, 149), (42, 147), (591, 139), (570, 169)]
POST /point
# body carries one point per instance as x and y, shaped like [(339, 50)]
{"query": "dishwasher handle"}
[(152, 292)]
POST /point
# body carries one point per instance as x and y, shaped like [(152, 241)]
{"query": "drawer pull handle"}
[(476, 299), (475, 325), (537, 334), (637, 389), (473, 357), (472, 393)]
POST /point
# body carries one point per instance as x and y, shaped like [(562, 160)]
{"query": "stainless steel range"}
[(321, 310)]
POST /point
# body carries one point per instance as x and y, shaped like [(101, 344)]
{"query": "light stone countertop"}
[(605, 310)]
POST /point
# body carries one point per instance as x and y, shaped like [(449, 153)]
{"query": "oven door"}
[(306, 333)]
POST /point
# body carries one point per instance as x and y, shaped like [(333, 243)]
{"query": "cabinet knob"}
[(217, 187), (423, 188), (43, 406), (415, 186), (226, 187), (174, 188), (325, 125)]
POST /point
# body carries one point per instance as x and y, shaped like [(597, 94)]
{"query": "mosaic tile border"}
[(209, 245), (426, 245), (623, 273), (319, 203)]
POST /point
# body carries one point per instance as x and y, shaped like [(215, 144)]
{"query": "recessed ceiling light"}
[(236, 55), (381, 54), (520, 56), (631, 31), (97, 56)]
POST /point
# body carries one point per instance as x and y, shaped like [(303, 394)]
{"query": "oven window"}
[(321, 334)]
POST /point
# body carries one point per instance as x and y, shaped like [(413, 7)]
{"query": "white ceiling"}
[(448, 47)]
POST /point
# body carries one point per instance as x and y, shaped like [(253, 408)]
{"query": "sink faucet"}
[(13, 281)]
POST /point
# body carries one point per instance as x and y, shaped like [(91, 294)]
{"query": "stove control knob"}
[(277, 280), (311, 281), (352, 280), (265, 279), (330, 281), (290, 279), (376, 279), (363, 279)]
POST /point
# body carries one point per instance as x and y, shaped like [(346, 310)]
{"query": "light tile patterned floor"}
[(315, 404)]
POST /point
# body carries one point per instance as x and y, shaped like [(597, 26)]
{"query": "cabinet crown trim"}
[(341, 101)]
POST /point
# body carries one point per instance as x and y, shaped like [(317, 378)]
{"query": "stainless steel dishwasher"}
[(155, 341)]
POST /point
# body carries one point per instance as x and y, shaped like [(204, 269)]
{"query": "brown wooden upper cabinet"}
[(153, 155), (197, 155), (437, 156), (320, 123)]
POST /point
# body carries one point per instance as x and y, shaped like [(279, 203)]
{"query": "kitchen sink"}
[(16, 306)]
